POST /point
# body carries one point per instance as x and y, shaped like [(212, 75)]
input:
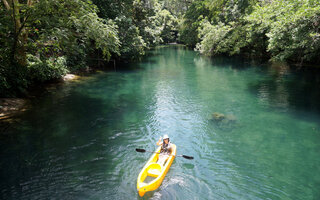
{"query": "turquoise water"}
[(78, 140)]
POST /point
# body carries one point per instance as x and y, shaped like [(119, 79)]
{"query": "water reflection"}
[(288, 87)]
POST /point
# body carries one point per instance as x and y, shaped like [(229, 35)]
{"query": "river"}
[(253, 130)]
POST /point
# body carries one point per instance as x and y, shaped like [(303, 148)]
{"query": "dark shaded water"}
[(78, 141)]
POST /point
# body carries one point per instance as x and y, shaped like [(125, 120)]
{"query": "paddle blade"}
[(187, 157), (141, 150)]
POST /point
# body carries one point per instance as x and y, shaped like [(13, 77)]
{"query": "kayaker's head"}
[(166, 139)]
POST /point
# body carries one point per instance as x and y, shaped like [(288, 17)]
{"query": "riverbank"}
[(9, 107)]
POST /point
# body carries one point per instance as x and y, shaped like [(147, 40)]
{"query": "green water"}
[(78, 141)]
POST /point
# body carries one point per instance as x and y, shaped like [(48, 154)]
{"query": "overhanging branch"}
[(6, 4)]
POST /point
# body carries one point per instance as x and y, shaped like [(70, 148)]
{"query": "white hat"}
[(165, 137)]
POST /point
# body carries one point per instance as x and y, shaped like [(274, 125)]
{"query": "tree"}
[(188, 29), (281, 30), (43, 29), (19, 15), (291, 29)]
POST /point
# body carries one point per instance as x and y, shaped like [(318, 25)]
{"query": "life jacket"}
[(165, 148)]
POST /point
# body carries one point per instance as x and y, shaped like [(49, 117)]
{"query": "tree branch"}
[(23, 24), (27, 14), (14, 17), (6, 4), (16, 13), (29, 3)]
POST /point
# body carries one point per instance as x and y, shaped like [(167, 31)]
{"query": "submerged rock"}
[(222, 117), (218, 116), (224, 121)]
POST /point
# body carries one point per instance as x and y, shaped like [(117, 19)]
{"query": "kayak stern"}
[(141, 192)]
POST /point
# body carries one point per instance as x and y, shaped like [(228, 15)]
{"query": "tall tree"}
[(20, 13)]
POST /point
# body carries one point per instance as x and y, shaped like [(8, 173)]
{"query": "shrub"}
[(52, 68)]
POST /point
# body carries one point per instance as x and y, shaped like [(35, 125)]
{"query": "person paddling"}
[(166, 149)]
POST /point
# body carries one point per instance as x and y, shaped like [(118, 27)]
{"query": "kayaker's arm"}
[(159, 143)]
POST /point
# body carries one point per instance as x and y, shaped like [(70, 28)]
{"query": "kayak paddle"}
[(184, 156)]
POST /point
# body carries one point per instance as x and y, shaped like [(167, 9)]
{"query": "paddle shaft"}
[(184, 156), (159, 153)]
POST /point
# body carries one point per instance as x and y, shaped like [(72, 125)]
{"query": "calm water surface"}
[(78, 141)]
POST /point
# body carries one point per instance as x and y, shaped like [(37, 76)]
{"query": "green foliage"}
[(168, 24), (51, 30), (177, 7), (111, 9), (213, 38), (228, 39), (156, 24), (136, 27), (5, 35), (4, 86), (188, 28), (284, 30), (229, 10), (52, 68), (141, 24), (13, 80), (145, 18), (81, 28), (132, 44), (104, 34), (291, 27), (165, 24)]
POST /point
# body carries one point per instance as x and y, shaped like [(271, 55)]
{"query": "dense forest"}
[(42, 40)]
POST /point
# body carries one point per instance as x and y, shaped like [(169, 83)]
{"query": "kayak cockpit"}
[(154, 170)]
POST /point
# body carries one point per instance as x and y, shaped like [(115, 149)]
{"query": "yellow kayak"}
[(153, 173)]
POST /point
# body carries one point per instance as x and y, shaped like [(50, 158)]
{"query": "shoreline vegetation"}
[(40, 42)]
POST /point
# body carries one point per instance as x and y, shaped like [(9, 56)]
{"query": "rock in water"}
[(223, 121), (218, 116), (70, 77)]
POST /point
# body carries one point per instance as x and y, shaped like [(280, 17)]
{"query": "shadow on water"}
[(236, 62), (58, 144), (289, 87), (47, 132)]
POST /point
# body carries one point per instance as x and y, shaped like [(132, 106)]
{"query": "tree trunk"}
[(18, 51), (19, 48)]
